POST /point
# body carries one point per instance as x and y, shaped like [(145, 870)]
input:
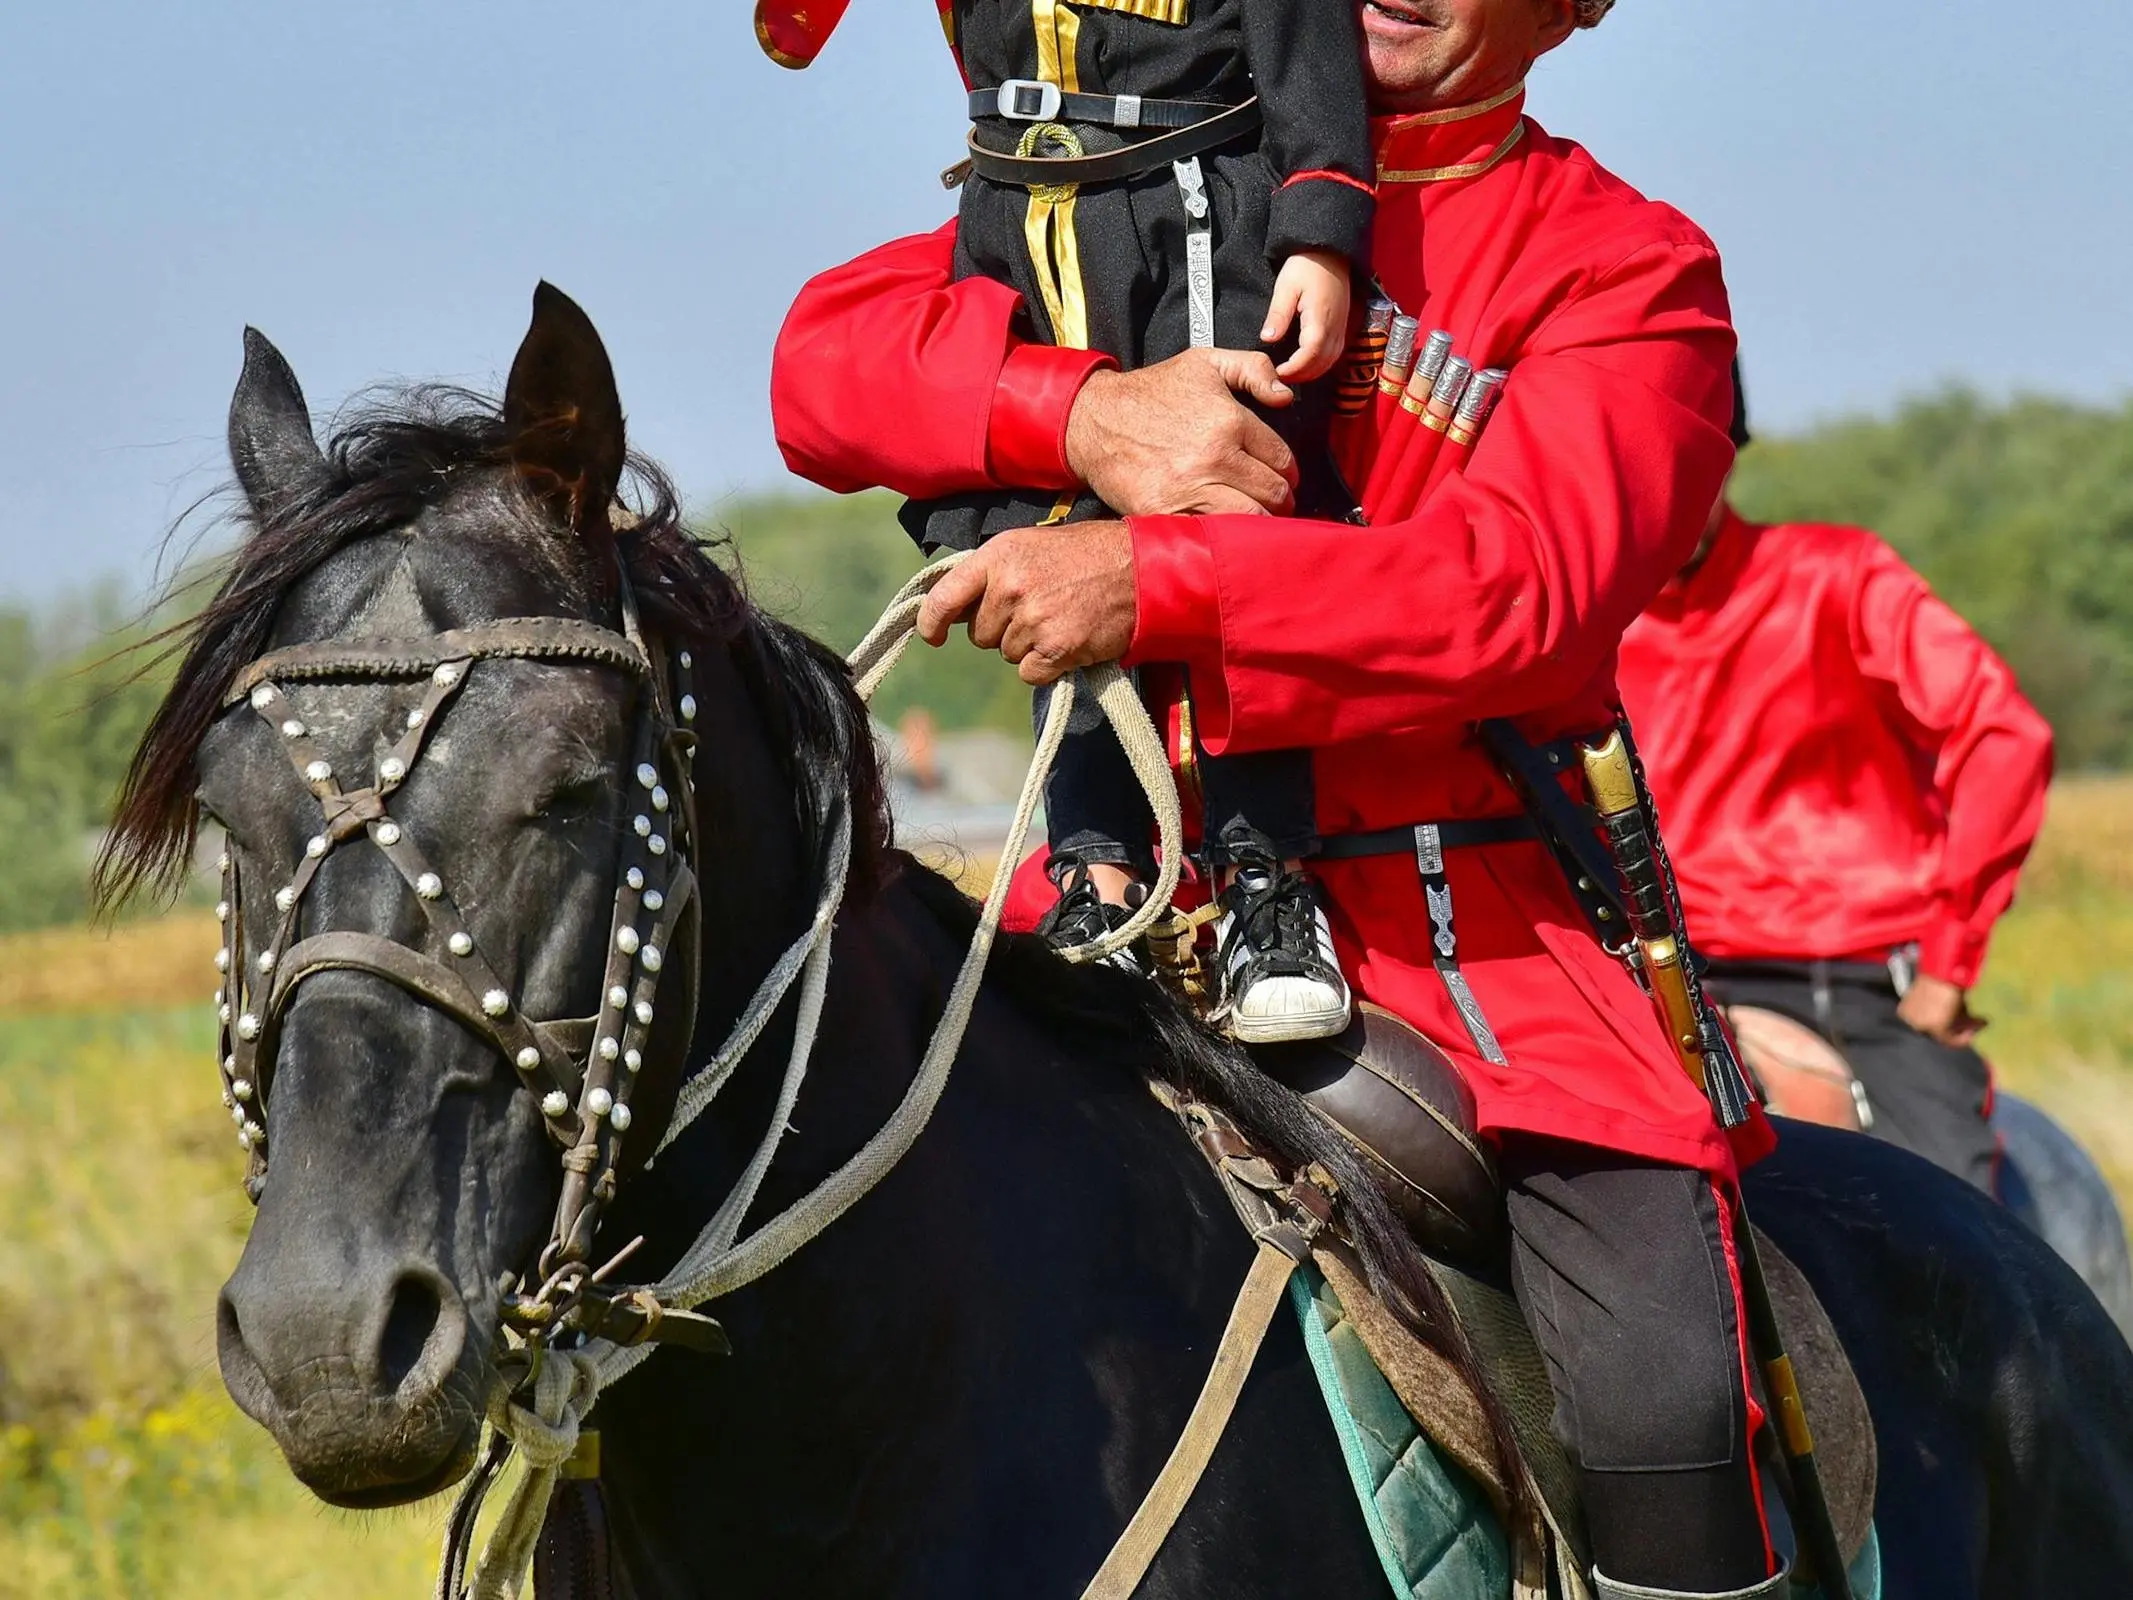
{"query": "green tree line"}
[(2021, 515), (70, 710)]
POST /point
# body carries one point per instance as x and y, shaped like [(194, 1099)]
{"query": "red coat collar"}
[(1463, 142)]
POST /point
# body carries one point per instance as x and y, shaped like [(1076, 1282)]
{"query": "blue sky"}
[(1904, 195)]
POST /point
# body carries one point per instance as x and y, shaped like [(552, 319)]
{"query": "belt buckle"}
[(1027, 100)]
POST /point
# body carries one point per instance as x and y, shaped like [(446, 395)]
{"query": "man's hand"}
[(1048, 599), (1939, 1010), (1173, 439)]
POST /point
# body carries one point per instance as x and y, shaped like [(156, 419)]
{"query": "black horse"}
[(965, 1386)]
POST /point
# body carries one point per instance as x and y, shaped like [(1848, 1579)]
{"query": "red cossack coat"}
[(1492, 585), (1842, 766)]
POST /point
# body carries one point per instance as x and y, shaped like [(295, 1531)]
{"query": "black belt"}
[(1457, 835), (1031, 100), (1859, 974), (1425, 843), (1113, 166)]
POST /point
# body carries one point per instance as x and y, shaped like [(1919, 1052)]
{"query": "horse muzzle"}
[(366, 1374)]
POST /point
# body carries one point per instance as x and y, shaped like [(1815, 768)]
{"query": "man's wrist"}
[(1954, 954), (1026, 433), (1176, 609)]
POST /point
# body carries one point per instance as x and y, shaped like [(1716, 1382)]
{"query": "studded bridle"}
[(581, 1069)]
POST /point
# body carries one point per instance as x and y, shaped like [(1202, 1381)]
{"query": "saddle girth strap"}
[(1265, 1289)]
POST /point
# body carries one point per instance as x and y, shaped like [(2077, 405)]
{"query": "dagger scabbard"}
[(1649, 903)]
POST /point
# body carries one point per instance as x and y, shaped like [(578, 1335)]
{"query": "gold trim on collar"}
[(1471, 169), (1170, 11), (1438, 119)]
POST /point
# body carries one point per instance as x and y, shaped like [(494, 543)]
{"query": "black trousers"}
[(1096, 811), (1931, 1098), (1621, 1268)]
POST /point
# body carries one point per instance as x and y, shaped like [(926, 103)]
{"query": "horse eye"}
[(572, 797)]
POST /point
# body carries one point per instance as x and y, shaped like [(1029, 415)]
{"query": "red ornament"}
[(793, 32)]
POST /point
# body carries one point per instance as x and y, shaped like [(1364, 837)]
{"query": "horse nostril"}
[(241, 1371), (411, 1328)]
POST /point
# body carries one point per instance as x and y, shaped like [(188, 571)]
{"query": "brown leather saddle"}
[(1397, 1099)]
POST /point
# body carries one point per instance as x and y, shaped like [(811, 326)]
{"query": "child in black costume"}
[(1262, 210)]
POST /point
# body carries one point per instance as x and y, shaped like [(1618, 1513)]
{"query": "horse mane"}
[(1141, 1026), (388, 460)]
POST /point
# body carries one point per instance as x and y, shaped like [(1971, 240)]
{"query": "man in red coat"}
[(1497, 591), (1850, 780)]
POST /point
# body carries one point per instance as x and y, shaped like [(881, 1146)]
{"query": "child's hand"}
[(1311, 293)]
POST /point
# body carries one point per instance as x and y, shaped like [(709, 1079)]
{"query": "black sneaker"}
[(1281, 980), (1081, 917)]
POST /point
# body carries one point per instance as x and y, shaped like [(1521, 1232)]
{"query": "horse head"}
[(455, 782)]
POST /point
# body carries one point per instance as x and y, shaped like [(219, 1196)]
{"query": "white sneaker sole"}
[(1296, 1011)]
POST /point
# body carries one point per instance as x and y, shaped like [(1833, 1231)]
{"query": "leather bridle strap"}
[(426, 979), (514, 638)]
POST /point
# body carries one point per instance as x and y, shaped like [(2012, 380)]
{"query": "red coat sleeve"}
[(890, 373), (1507, 591), (1989, 749)]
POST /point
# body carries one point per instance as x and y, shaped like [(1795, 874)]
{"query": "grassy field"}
[(125, 1472)]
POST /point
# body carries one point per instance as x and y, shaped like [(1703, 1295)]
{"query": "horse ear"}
[(271, 444), (563, 415)]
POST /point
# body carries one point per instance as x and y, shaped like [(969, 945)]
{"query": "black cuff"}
[(1320, 214)]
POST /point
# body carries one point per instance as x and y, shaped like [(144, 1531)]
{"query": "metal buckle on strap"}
[(1027, 100)]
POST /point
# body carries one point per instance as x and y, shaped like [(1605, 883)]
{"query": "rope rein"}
[(540, 1412)]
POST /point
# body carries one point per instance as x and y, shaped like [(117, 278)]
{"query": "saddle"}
[(1395, 1098), (1400, 1104)]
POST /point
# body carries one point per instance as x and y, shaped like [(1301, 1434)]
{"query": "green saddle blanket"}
[(1436, 1533)]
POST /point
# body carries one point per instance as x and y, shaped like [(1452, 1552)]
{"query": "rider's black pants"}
[(1622, 1268), (1931, 1098)]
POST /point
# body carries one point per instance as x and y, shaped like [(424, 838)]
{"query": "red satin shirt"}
[(1501, 590), (1842, 766)]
